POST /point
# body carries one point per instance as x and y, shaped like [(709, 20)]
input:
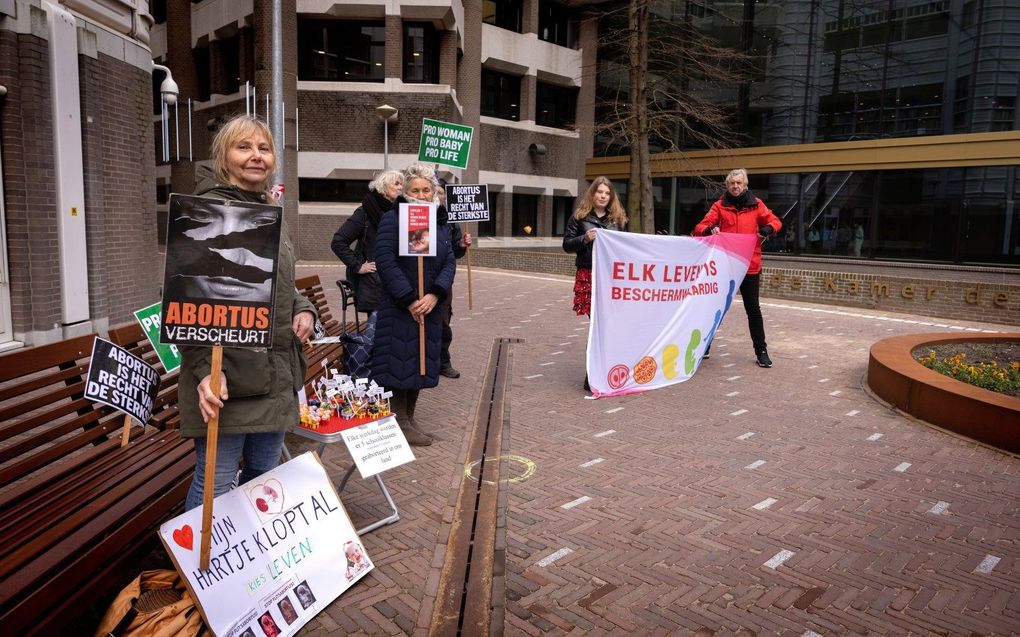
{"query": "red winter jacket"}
[(746, 221)]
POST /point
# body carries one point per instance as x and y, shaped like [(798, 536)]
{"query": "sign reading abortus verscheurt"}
[(219, 281)]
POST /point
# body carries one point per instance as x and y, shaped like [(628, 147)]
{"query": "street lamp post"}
[(387, 114)]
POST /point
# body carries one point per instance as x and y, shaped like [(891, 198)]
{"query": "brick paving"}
[(676, 512)]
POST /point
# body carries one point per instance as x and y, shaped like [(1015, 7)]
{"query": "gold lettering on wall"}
[(909, 291)]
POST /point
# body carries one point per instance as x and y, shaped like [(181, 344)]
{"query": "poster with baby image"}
[(219, 280), (417, 229), (283, 548)]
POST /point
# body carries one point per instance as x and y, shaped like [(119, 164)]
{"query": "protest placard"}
[(219, 282), (377, 446), (283, 548), (444, 143), (417, 227), (121, 380), (149, 319), (467, 202)]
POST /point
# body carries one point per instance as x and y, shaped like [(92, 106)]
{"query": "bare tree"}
[(675, 94)]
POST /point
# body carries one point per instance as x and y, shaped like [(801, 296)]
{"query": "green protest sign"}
[(148, 318), (444, 143)]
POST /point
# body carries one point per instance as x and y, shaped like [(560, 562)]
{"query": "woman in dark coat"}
[(395, 352), (361, 229), (599, 209)]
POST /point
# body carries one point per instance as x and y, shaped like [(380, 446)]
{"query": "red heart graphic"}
[(184, 537)]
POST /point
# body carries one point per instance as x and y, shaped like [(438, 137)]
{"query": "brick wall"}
[(120, 187), (313, 234), (940, 295), (505, 149), (346, 122), (29, 183)]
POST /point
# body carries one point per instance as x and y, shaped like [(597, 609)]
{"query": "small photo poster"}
[(417, 229), (219, 280), (282, 549), (121, 380)]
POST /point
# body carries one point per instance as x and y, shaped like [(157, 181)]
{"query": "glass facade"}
[(844, 71)]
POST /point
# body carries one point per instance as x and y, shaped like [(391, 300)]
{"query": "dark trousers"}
[(444, 352), (749, 293)]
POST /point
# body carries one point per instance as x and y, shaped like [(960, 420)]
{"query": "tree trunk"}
[(639, 188)]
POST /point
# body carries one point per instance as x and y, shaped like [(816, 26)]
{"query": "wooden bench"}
[(78, 509), (311, 288)]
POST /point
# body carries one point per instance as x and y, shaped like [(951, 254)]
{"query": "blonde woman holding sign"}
[(257, 394), (395, 354)]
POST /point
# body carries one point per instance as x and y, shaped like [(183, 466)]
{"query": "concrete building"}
[(520, 72)]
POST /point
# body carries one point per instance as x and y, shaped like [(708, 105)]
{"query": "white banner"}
[(283, 549), (656, 303)]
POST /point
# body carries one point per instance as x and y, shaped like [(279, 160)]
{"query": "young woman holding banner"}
[(599, 209), (401, 310), (257, 397)]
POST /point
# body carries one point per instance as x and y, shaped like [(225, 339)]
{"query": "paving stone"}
[(669, 543)]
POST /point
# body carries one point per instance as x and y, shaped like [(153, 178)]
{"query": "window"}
[(556, 106), (555, 25), (505, 14), (563, 207), (1003, 109), (501, 95), (202, 75), (226, 78), (525, 216), (332, 190), (421, 53), (341, 51), (488, 228)]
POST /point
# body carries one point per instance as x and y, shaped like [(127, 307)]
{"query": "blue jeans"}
[(261, 453)]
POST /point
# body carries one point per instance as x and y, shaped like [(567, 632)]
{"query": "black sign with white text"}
[(121, 380), (467, 202)]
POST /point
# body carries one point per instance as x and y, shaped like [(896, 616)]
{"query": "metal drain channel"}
[(465, 600)]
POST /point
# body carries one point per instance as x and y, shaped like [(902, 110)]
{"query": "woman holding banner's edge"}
[(599, 209), (257, 396)]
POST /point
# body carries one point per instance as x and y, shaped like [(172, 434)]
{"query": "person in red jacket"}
[(740, 211)]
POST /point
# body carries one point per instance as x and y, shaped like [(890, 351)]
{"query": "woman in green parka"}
[(257, 398)]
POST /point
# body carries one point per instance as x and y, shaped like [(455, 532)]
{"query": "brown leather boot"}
[(403, 409)]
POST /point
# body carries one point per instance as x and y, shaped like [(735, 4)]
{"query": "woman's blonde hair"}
[(384, 180), (238, 127), (617, 214), (420, 171)]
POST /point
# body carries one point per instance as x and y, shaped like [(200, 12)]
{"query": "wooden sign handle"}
[(212, 429), (421, 325), (467, 253), (126, 432)]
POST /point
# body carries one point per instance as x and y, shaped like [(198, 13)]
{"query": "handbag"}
[(356, 355), (154, 604)]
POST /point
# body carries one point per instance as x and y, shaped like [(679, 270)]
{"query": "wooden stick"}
[(421, 325), (211, 432), (126, 432), (467, 253)]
